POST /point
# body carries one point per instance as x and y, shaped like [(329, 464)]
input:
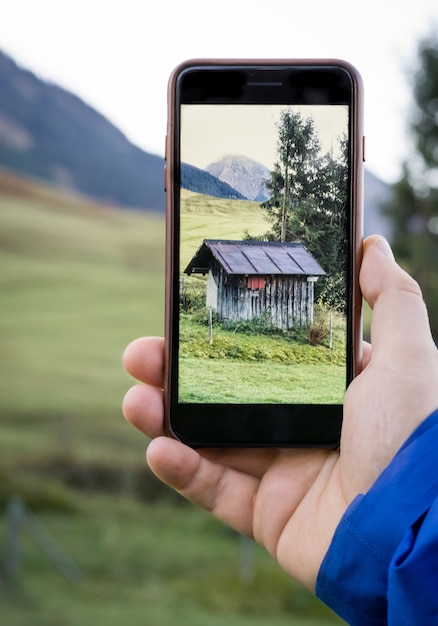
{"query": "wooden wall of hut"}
[(288, 299)]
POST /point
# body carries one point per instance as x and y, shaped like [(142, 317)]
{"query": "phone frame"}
[(246, 425)]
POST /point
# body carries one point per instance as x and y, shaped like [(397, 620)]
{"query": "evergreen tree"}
[(308, 200), (294, 172), (327, 227), (414, 205)]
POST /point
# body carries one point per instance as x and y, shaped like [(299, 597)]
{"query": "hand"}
[(291, 500)]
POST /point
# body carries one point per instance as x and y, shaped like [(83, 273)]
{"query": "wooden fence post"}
[(19, 517), (210, 325), (246, 560), (12, 552), (331, 331)]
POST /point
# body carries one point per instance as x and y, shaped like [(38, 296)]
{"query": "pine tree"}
[(308, 201), (294, 172)]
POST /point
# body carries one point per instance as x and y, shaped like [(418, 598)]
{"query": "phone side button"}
[(363, 149), (165, 177)]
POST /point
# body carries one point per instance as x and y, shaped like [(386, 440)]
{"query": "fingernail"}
[(384, 247)]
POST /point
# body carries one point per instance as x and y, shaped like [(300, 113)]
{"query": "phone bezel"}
[(258, 425)]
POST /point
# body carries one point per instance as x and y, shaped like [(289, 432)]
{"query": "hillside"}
[(49, 133), (80, 280), (200, 181), (204, 217)]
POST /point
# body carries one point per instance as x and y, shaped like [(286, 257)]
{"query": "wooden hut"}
[(246, 279)]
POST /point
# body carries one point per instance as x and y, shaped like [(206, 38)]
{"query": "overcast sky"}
[(117, 55), (214, 131)]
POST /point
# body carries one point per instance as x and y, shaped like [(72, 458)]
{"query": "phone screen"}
[(263, 225)]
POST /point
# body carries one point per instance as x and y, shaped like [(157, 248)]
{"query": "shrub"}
[(261, 325), (192, 296)]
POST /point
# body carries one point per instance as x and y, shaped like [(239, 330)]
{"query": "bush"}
[(261, 325), (192, 296)]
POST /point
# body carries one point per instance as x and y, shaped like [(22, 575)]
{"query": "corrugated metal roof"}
[(255, 257)]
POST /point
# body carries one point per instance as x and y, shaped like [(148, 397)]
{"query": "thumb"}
[(397, 389), (400, 324)]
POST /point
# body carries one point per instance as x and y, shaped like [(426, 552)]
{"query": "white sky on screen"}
[(210, 132)]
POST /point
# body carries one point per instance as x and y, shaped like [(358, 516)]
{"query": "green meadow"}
[(237, 367), (204, 217), (78, 282), (264, 368)]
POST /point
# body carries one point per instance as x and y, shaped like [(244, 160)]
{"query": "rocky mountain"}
[(49, 133), (243, 174)]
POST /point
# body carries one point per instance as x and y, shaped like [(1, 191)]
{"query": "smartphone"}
[(263, 182)]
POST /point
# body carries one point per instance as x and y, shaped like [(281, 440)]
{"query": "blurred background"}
[(87, 535)]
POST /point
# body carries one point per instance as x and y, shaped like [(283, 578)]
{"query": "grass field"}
[(203, 217), (78, 282), (263, 368), (160, 564), (238, 368), (227, 382)]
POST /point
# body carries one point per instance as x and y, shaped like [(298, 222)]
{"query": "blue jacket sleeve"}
[(382, 564)]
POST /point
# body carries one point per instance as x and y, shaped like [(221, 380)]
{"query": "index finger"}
[(144, 360)]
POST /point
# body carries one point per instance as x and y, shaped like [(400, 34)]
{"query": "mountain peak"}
[(242, 173)]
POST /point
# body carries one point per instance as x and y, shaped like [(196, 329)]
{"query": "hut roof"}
[(255, 257)]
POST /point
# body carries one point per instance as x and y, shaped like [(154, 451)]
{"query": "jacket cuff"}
[(353, 578)]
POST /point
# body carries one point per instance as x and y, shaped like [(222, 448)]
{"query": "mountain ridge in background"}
[(201, 181), (50, 134)]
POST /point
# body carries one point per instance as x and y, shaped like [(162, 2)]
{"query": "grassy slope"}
[(78, 282), (204, 217)]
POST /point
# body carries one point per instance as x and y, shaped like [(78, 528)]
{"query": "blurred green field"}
[(159, 564), (78, 282)]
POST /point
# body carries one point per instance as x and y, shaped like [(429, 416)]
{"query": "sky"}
[(117, 56), (213, 131)]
